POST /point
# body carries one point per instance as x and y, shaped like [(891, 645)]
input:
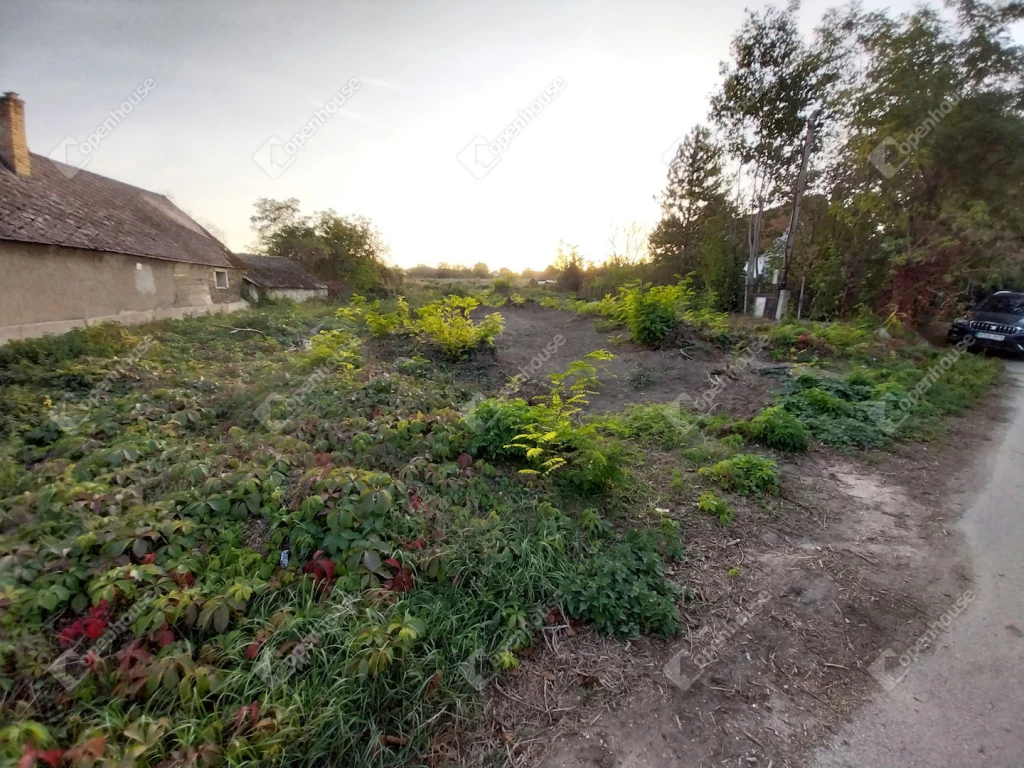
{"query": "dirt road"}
[(963, 704)]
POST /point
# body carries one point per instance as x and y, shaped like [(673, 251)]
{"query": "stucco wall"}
[(297, 294), (51, 289), (252, 293)]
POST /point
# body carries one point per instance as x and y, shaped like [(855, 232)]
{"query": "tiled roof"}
[(56, 206), (277, 272)]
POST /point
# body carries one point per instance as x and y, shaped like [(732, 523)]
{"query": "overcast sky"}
[(227, 77)]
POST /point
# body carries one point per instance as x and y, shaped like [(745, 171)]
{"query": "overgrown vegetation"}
[(268, 553), (776, 428), (444, 322), (653, 312), (745, 474), (903, 396)]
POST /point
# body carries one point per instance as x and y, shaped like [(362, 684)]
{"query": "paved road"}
[(962, 706)]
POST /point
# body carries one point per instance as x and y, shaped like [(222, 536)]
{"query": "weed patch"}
[(745, 474), (270, 554)]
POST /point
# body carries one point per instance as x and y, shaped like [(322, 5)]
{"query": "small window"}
[(220, 276)]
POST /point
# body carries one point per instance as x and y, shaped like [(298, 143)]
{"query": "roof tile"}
[(55, 206)]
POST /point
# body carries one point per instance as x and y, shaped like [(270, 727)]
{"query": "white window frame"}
[(216, 279)]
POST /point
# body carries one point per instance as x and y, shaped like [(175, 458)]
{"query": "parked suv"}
[(996, 323)]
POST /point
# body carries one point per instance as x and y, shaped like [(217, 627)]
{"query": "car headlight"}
[(962, 322)]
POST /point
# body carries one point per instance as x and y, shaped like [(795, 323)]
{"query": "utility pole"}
[(798, 193), (753, 238)]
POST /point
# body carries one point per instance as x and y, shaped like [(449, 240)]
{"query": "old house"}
[(77, 248), (275, 277)]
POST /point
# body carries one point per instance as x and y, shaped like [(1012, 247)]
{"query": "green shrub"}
[(448, 323), (337, 347), (492, 426), (504, 286), (656, 424), (622, 590), (559, 439), (714, 324), (387, 323), (745, 473), (776, 428), (845, 413), (713, 504), (652, 312)]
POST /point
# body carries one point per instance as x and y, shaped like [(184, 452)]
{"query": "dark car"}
[(996, 323)]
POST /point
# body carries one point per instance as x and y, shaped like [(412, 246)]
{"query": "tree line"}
[(916, 183)]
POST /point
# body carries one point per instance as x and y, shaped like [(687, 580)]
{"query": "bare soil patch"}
[(673, 371), (791, 603)]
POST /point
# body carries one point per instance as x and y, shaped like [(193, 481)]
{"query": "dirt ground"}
[(791, 604), (669, 373)]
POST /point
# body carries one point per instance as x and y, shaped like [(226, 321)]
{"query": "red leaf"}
[(99, 610), (70, 632), (28, 756), (164, 636), (149, 559), (247, 715), (94, 628), (401, 582), (51, 756), (252, 650), (133, 653), (327, 566), (465, 460), (392, 562), (320, 566)]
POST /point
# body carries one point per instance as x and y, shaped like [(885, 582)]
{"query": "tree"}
[(481, 270), (331, 247), (695, 192), (770, 90), (568, 265), (930, 181)]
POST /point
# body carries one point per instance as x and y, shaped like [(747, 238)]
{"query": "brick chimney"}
[(13, 145)]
